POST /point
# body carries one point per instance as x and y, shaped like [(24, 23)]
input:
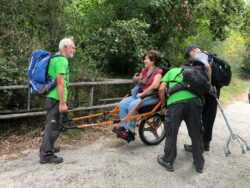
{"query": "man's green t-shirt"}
[(58, 65), (172, 77)]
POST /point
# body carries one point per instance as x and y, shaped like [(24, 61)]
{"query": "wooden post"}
[(29, 92), (78, 98), (91, 96)]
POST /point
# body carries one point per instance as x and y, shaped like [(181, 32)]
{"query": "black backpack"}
[(195, 79), (221, 70)]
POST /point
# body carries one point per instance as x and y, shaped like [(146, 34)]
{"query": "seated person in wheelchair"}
[(148, 82)]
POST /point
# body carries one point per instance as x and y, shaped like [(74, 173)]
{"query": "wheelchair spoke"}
[(155, 133), (151, 130)]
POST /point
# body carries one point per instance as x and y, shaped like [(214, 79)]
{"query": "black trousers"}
[(208, 115), (52, 127), (190, 111)]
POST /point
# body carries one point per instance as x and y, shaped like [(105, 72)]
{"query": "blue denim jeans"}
[(127, 104)]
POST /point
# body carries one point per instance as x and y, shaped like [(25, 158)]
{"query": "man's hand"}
[(63, 108)]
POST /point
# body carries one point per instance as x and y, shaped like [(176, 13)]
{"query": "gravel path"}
[(112, 163)]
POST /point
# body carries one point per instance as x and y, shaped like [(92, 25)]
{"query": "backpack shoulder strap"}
[(57, 55), (210, 57), (147, 77), (174, 80)]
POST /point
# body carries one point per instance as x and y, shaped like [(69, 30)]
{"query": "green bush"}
[(11, 74), (246, 58), (118, 48)]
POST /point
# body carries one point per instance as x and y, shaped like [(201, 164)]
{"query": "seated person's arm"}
[(154, 86)]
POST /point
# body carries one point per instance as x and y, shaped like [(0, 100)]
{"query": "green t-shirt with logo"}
[(172, 77), (58, 65)]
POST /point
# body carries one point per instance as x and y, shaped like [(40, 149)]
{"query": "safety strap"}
[(147, 77)]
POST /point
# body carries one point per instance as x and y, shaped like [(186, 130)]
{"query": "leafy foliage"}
[(112, 35), (29, 24), (25, 25), (246, 30), (118, 48), (218, 15), (11, 74), (246, 57)]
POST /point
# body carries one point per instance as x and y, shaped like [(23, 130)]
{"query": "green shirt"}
[(58, 65), (174, 75)]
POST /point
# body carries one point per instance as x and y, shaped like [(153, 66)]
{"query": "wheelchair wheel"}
[(151, 130)]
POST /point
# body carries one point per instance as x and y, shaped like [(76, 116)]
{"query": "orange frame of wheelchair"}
[(114, 111)]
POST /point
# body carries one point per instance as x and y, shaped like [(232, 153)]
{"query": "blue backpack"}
[(39, 82)]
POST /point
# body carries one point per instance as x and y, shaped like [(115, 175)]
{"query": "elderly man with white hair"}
[(55, 101)]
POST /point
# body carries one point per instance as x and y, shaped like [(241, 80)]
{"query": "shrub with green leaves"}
[(246, 58), (11, 74), (118, 49)]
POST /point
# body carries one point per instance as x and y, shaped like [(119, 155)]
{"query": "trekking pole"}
[(232, 136)]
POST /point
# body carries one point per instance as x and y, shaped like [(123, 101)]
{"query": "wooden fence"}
[(92, 84)]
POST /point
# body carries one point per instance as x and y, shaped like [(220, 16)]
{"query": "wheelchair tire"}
[(152, 135)]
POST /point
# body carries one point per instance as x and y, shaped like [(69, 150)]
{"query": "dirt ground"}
[(109, 162)]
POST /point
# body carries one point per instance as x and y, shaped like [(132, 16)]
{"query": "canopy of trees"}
[(112, 35)]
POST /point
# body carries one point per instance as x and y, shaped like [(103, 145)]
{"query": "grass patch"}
[(236, 87), (73, 134)]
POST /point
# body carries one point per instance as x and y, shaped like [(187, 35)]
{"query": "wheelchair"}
[(149, 121)]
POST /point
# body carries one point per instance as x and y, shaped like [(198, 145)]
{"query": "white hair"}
[(65, 42)]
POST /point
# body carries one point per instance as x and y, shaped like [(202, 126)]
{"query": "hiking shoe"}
[(169, 166), (53, 159), (57, 149), (199, 170), (206, 146), (188, 148), (126, 134)]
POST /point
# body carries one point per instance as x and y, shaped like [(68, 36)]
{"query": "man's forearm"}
[(162, 96), (60, 88), (209, 73), (60, 92), (161, 92)]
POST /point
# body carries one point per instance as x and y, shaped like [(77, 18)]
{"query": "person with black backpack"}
[(183, 104), (219, 73), (55, 101)]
